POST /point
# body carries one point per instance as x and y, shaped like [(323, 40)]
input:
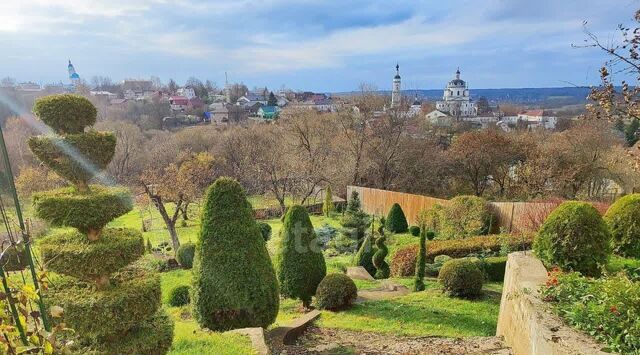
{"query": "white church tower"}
[(395, 93)]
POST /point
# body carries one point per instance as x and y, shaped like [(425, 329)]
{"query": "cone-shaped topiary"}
[(300, 264), (112, 304), (574, 237), (623, 218), (421, 261), (364, 256), (382, 268), (327, 205), (396, 221), (234, 282)]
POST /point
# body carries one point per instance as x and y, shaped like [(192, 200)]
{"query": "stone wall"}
[(526, 322)]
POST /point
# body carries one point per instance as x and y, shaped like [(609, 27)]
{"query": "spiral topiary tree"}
[(396, 220), (382, 268), (300, 265), (364, 256), (113, 305), (234, 282)]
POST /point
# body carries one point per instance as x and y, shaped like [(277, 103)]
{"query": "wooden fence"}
[(510, 216)]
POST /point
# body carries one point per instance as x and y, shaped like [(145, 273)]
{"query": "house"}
[(104, 94), (137, 89), (118, 102), (28, 87), (532, 119), (187, 92), (251, 97), (437, 116), (218, 113), (323, 104), (251, 108), (268, 112), (178, 103)]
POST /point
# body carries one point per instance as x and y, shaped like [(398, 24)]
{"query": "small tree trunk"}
[(185, 216), (175, 242), (94, 234), (82, 186)]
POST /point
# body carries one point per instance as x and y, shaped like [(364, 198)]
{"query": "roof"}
[(137, 85), (179, 100), (117, 101), (536, 113), (457, 82), (269, 109)]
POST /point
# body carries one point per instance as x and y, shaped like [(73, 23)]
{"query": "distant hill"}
[(546, 97)]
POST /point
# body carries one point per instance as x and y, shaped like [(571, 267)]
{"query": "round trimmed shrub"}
[(574, 237), (185, 255), (300, 265), (461, 278), (623, 218), (234, 282), (265, 230), (414, 230), (464, 216), (396, 221), (65, 113), (179, 296), (71, 253), (66, 207), (336, 292), (75, 157)]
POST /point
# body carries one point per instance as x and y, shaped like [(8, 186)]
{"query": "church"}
[(456, 101)]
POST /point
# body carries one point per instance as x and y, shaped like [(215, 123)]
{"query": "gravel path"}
[(338, 342)]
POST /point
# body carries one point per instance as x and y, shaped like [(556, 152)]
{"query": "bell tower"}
[(395, 93)]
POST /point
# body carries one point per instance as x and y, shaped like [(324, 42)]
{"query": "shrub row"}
[(404, 261)]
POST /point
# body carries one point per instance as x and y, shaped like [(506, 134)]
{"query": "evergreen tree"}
[(396, 220), (355, 221), (327, 206), (631, 132), (273, 101), (421, 261), (234, 282), (300, 265)]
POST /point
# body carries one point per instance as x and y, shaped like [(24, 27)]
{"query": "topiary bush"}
[(382, 268), (464, 216), (623, 218), (364, 256), (494, 267), (414, 230), (336, 292), (327, 204), (65, 113), (109, 300), (300, 265), (396, 221), (265, 230), (185, 255), (574, 237), (179, 296), (461, 278), (234, 282)]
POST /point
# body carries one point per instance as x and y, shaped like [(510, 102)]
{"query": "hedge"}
[(65, 113), (404, 261), (134, 295), (494, 268), (623, 218), (185, 255), (75, 157), (574, 237), (234, 282), (396, 221), (300, 265), (336, 292), (65, 207), (71, 253)]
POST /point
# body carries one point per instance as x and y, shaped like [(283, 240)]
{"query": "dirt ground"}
[(342, 342)]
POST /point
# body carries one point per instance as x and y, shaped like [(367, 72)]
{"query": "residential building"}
[(218, 113), (187, 92), (137, 89), (28, 87), (268, 112), (104, 94), (178, 103)]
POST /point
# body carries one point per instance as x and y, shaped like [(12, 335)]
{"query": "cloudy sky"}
[(310, 44)]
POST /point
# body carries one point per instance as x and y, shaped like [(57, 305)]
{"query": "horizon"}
[(317, 46)]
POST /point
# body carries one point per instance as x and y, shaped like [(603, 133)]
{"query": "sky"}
[(325, 46)]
